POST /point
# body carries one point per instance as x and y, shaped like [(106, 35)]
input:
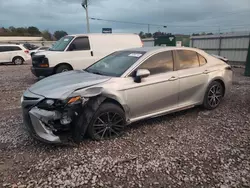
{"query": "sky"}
[(180, 16)]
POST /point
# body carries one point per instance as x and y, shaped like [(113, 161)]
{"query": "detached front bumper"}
[(34, 122), (42, 124), (39, 118)]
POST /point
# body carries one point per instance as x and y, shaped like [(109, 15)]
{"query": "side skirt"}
[(161, 113)]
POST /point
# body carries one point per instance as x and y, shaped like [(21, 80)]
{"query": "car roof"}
[(10, 44), (160, 48)]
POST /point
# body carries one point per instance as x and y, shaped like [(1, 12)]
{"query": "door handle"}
[(91, 52), (206, 72), (172, 78)]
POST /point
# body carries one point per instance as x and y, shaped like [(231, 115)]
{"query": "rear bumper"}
[(42, 71)]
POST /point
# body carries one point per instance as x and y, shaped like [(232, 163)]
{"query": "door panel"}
[(80, 59), (4, 57), (192, 85), (5, 54), (154, 94), (80, 53)]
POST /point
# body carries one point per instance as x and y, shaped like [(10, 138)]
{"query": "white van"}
[(80, 51)]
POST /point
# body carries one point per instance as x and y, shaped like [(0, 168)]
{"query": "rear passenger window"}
[(5, 48), (159, 63), (81, 43), (9, 48), (1, 49), (187, 59), (15, 48), (202, 60)]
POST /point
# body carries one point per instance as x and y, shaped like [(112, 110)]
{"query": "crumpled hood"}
[(59, 86)]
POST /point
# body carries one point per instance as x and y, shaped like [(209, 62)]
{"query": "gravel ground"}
[(193, 148)]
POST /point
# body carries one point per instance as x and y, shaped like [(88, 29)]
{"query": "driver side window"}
[(80, 43), (159, 63)]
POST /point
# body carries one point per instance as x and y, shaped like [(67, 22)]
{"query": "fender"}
[(109, 94)]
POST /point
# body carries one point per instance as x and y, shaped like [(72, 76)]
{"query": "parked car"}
[(124, 87), (80, 51), (30, 46), (14, 53), (39, 49)]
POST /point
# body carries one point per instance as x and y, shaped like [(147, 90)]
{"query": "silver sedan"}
[(123, 87)]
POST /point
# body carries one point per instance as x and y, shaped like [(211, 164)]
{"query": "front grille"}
[(39, 59)]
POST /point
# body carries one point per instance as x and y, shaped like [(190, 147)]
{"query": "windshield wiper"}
[(96, 72)]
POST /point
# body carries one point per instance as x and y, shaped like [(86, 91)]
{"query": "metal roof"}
[(233, 34)]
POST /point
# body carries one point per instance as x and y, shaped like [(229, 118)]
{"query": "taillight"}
[(142, 43), (26, 51)]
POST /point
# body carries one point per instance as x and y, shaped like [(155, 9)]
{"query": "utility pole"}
[(85, 6)]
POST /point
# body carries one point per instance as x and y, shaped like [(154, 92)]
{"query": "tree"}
[(34, 31), (148, 35), (158, 33), (12, 29), (195, 34), (47, 35), (22, 31), (141, 34), (60, 34)]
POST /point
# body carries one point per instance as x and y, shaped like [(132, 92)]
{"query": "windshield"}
[(116, 63), (61, 44)]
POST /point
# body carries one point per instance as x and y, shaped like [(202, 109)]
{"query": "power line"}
[(117, 21), (157, 25)]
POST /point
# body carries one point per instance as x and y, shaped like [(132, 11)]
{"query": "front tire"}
[(63, 68), (213, 96), (18, 60), (107, 122)]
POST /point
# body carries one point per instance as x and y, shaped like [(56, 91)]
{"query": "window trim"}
[(146, 58), (178, 63), (199, 59), (67, 49)]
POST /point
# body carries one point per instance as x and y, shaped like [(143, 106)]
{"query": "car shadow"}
[(7, 64), (164, 118)]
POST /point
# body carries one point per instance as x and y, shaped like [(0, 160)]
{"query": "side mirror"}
[(141, 73)]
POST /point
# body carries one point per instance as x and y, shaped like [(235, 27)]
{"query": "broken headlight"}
[(50, 104)]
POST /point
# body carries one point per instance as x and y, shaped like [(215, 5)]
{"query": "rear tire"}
[(18, 60), (213, 96), (63, 68)]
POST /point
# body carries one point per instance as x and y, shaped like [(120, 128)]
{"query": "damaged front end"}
[(53, 120)]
